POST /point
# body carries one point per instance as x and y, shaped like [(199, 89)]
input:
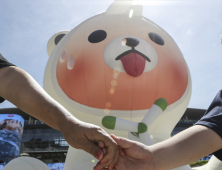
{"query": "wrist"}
[(68, 122), (152, 158)]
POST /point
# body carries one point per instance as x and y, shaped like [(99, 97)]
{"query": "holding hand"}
[(91, 139), (133, 155)]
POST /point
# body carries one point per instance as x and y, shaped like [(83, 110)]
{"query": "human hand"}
[(132, 155), (13, 125), (91, 139), (3, 124)]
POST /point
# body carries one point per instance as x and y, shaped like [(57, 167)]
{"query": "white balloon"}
[(26, 163)]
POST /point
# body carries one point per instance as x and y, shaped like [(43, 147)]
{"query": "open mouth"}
[(133, 62)]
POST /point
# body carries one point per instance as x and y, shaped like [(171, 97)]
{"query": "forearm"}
[(185, 147), (22, 90)]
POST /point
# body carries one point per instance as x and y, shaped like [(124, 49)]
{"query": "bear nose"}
[(131, 42)]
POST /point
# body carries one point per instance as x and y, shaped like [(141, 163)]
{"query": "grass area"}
[(198, 163)]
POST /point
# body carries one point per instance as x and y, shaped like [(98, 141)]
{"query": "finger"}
[(115, 161), (101, 144), (107, 169), (93, 149), (99, 166), (98, 163), (104, 151), (121, 151), (111, 150), (109, 159), (111, 165), (123, 142)]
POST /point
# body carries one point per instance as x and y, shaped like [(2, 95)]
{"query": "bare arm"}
[(186, 147), (22, 90)]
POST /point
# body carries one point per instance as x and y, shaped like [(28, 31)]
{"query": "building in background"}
[(189, 118), (39, 140), (11, 130)]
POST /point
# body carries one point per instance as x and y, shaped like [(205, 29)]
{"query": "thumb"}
[(93, 149), (123, 142)]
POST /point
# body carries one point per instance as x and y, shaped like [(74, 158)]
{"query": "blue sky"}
[(26, 26)]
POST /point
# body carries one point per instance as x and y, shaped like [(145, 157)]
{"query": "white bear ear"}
[(125, 7), (119, 6), (54, 40), (137, 10)]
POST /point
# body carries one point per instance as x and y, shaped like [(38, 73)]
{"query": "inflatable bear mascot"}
[(122, 72)]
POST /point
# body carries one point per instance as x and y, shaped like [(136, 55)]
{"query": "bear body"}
[(118, 63)]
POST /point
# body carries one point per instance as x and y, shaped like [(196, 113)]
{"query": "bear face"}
[(118, 61)]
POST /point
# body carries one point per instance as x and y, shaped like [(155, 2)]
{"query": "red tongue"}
[(133, 64)]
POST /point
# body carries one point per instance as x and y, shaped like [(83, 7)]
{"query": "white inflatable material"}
[(145, 139), (26, 163), (154, 112), (126, 125)]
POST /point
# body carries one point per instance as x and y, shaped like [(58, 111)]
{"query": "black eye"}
[(58, 38), (156, 38), (97, 36)]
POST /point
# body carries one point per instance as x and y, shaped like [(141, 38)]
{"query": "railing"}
[(187, 121), (51, 149)]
